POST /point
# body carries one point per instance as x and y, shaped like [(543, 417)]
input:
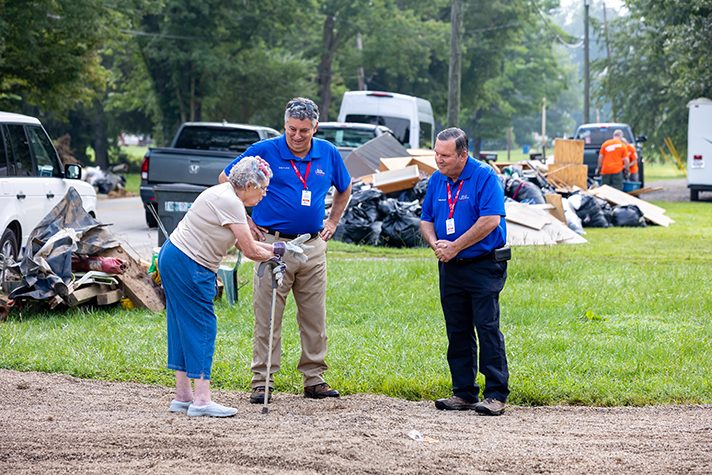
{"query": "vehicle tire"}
[(694, 195), (9, 246), (150, 219)]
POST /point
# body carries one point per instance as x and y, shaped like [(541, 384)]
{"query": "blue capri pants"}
[(190, 317)]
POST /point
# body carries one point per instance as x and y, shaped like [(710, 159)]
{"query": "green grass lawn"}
[(621, 320)]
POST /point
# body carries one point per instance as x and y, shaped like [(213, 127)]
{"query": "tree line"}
[(95, 68)]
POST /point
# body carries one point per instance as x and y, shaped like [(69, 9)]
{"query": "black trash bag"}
[(591, 213), (387, 207), (420, 188), (356, 225), (46, 265), (523, 191), (628, 215), (401, 230)]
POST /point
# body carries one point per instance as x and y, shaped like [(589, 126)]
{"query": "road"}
[(127, 224)]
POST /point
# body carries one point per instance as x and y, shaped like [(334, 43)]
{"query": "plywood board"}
[(557, 210), (525, 215), (396, 180), (569, 174), (394, 163), (568, 151), (654, 214)]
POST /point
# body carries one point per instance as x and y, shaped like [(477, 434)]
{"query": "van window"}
[(426, 135), (400, 127), (216, 138), (20, 150), (4, 165), (45, 156)]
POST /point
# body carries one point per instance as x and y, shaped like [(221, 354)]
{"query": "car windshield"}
[(216, 138), (598, 135), (347, 137), (400, 127)]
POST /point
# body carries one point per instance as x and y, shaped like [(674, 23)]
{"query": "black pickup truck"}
[(593, 136), (197, 155)]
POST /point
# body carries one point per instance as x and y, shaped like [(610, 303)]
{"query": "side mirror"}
[(641, 138), (73, 171)]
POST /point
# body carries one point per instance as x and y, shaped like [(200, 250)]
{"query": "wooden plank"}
[(570, 174), (652, 213), (647, 189), (396, 180), (525, 215), (568, 151), (394, 163), (558, 208), (83, 295), (136, 284), (107, 298)]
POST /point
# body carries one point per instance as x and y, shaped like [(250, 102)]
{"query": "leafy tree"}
[(659, 62), (49, 53)]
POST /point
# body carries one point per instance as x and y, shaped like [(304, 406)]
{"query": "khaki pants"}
[(308, 284)]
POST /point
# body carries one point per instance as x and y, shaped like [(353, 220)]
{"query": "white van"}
[(410, 118), (32, 180), (699, 147)]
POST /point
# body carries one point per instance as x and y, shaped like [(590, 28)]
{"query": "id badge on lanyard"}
[(450, 222), (306, 194), (306, 198)]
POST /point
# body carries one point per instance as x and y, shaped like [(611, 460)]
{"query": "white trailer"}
[(699, 147)]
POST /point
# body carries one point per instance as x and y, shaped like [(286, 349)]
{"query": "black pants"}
[(469, 295)]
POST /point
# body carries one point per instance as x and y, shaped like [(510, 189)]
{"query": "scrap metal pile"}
[(545, 203), (71, 259)]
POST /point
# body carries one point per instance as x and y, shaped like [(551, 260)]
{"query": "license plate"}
[(177, 206)]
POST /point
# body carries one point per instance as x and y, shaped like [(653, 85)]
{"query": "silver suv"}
[(32, 180)]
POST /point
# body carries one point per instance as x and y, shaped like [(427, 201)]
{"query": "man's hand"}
[(329, 230), (257, 232), (445, 250)]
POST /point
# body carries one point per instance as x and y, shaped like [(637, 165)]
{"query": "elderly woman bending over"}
[(188, 263)]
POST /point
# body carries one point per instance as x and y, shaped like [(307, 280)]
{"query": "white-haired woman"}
[(188, 263)]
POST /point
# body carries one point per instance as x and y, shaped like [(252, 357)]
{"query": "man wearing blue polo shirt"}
[(463, 222), (304, 169)]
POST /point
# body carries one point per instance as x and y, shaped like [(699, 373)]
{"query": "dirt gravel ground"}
[(53, 423)]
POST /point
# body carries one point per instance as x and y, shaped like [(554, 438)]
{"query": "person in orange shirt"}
[(632, 160), (613, 160)]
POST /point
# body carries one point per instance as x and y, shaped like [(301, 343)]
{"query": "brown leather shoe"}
[(454, 403), (258, 395), (320, 391), (490, 407)]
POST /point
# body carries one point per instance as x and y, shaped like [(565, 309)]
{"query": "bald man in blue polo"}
[(463, 222), (304, 169)]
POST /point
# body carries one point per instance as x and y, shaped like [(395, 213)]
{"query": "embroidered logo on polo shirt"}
[(464, 197), (285, 168), (319, 171)]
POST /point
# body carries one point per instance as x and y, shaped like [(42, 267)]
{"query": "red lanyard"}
[(450, 202), (303, 179)]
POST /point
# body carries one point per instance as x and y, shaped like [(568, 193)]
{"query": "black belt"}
[(280, 234), (484, 257)]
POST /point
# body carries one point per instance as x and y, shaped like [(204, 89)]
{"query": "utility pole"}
[(608, 63), (359, 71), (543, 130), (453, 90), (586, 73)]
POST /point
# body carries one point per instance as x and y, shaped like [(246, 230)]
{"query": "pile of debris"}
[(545, 203), (110, 182), (72, 259)]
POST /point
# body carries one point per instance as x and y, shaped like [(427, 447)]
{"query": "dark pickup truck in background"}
[(197, 155), (593, 136)]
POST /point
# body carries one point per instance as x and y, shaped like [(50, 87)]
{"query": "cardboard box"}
[(568, 151), (394, 163), (396, 180)]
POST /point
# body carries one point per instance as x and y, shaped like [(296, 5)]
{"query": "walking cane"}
[(260, 271)]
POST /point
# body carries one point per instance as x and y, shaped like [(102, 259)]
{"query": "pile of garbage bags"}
[(376, 219), (106, 181)]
